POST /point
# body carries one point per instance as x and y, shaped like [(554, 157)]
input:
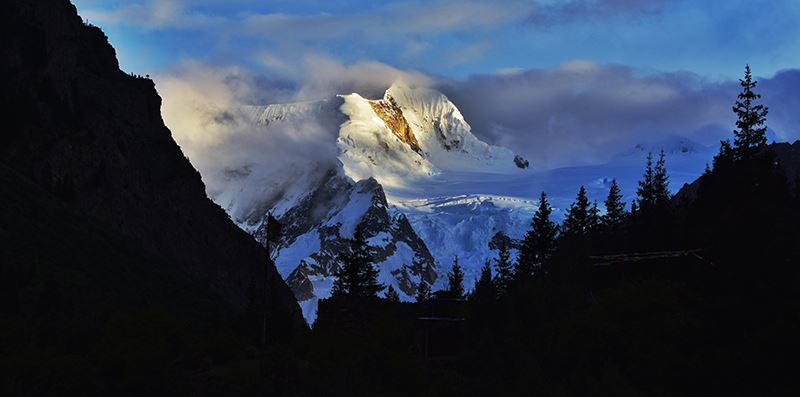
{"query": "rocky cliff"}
[(318, 229), (392, 115), (92, 136)]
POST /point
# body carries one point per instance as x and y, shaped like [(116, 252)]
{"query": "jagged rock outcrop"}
[(330, 216), (392, 115), (500, 238), (93, 137), (521, 162), (300, 283), (316, 231)]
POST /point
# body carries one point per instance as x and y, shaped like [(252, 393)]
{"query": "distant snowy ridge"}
[(398, 144)]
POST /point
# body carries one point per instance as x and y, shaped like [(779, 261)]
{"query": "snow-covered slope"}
[(412, 134), (412, 173), (464, 225), (444, 136), (401, 142)]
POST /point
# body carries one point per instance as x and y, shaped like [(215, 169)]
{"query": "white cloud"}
[(200, 108)]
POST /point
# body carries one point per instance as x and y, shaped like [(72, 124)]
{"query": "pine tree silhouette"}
[(504, 270), (455, 280), (423, 292), (615, 207), (594, 218), (653, 192), (646, 192), (391, 294), (750, 134), (579, 220), (661, 193), (539, 242), (484, 288), (358, 277), (725, 157)]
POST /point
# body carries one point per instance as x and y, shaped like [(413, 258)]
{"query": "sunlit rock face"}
[(392, 115), (318, 230), (397, 145)]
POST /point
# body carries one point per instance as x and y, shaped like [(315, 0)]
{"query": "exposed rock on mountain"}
[(392, 115), (521, 162), (410, 136), (317, 230), (92, 136)]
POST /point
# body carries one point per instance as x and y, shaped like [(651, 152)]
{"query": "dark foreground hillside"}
[(119, 277), (698, 297), (117, 271)]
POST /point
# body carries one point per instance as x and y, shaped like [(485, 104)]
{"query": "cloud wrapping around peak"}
[(325, 77), (585, 113), (577, 113), (240, 161)]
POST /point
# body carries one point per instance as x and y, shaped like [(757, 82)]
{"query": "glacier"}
[(413, 174)]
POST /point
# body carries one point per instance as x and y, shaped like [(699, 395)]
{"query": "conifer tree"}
[(653, 192), (423, 292), (646, 192), (484, 287), (594, 217), (578, 221), (725, 157), (661, 193), (539, 242), (750, 133), (615, 207), (358, 277), (455, 280), (391, 294), (504, 270)]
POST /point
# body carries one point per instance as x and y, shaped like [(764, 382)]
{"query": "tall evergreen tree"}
[(455, 280), (645, 192), (661, 193), (423, 292), (653, 192), (358, 277), (504, 270), (750, 133), (594, 218), (539, 242), (484, 288), (578, 221), (391, 294), (725, 157), (615, 207)]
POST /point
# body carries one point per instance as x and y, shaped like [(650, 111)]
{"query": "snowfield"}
[(455, 190)]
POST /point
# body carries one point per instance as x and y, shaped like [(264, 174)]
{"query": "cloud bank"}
[(575, 114), (584, 113), (250, 164), (240, 161)]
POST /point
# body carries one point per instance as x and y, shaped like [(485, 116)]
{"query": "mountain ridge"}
[(93, 136)]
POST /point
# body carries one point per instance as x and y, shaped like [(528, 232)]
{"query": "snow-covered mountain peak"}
[(411, 144), (444, 135), (292, 111)]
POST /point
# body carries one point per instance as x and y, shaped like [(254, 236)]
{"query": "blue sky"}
[(563, 81), (454, 38)]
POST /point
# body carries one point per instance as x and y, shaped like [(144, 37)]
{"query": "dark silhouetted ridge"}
[(103, 216)]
